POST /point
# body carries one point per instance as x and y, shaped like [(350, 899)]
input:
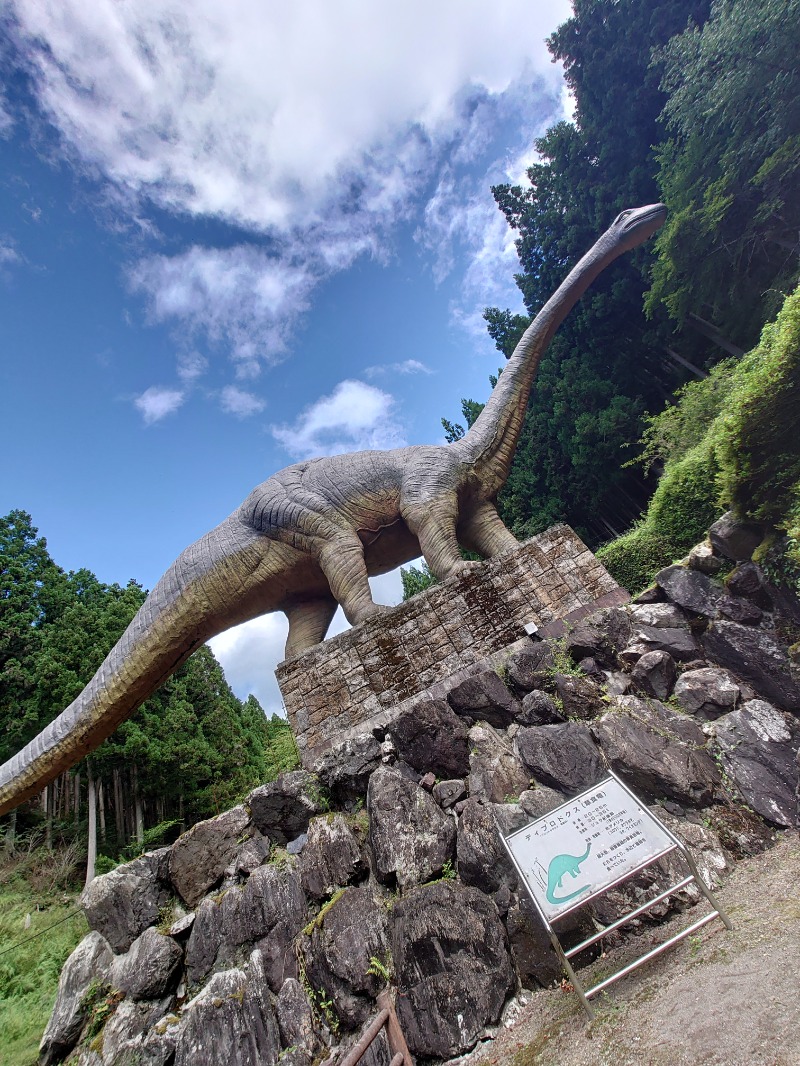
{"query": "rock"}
[(658, 615), (739, 610), (539, 709), (759, 746), (748, 581), (691, 589), (430, 736), (580, 696), (282, 809), (485, 698), (652, 594), (531, 667), (702, 558), (345, 767), (411, 837), (90, 961), (706, 693), (198, 859), (267, 911), (427, 781), (331, 858), (495, 772), (452, 965), (658, 751), (295, 847), (740, 830), (618, 683), (755, 655), (231, 1022), (536, 802), (482, 860), (591, 668), (534, 958), (337, 949), (679, 643), (296, 1019), (124, 1030), (600, 636), (655, 674), (150, 970), (123, 903), (563, 757), (734, 538), (446, 793)]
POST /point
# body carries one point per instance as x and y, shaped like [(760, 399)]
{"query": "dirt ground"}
[(718, 997)]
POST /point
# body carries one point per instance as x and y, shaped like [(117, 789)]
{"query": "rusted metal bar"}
[(355, 1052), (397, 1042)]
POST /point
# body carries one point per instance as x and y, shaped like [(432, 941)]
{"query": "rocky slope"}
[(268, 932)]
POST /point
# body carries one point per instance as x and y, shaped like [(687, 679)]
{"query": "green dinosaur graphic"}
[(565, 864)]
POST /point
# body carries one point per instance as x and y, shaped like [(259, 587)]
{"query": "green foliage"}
[(730, 168), (29, 971), (416, 579), (729, 441)]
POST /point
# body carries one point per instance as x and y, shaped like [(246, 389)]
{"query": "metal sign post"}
[(586, 847)]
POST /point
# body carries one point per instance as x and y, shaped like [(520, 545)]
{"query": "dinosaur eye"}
[(622, 215)]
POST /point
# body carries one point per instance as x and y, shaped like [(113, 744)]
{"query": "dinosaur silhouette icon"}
[(565, 864)]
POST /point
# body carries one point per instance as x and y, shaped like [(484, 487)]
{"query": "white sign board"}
[(585, 846)]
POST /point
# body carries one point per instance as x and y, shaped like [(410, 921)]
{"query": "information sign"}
[(586, 845)]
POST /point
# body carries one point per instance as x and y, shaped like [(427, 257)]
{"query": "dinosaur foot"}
[(372, 610)]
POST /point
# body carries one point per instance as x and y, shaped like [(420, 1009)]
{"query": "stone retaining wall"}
[(357, 676)]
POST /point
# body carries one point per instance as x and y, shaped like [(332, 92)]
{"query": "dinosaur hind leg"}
[(483, 531), (308, 623)]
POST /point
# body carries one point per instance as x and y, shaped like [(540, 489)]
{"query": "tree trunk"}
[(91, 799), (139, 813), (713, 334), (49, 794), (9, 846), (77, 797), (698, 373), (118, 810), (101, 798)]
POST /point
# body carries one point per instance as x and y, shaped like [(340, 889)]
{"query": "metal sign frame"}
[(674, 846)]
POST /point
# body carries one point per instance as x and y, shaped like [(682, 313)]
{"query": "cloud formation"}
[(239, 402), (407, 366), (156, 403), (355, 417), (309, 127)]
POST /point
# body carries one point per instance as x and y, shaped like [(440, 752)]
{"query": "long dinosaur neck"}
[(492, 439)]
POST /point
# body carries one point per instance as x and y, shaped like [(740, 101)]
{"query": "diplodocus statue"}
[(307, 538)]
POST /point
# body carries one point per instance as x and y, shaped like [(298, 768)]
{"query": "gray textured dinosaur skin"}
[(308, 537)]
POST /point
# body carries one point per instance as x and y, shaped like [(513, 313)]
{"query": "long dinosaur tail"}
[(214, 584)]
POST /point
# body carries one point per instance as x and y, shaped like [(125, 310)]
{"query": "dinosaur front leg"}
[(433, 523), (308, 623), (483, 531)]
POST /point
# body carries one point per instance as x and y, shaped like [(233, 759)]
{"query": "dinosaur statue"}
[(560, 865), (306, 539)]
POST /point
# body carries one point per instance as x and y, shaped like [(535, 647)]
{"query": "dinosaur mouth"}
[(651, 217)]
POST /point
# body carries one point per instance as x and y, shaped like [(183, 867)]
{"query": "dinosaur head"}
[(634, 225)]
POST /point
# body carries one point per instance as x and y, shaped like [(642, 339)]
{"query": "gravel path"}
[(719, 998)]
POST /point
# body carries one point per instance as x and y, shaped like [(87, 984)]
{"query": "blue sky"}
[(235, 235)]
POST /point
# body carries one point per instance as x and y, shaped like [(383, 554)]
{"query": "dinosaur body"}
[(561, 865), (308, 537)]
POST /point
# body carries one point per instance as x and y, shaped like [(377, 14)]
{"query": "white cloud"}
[(239, 402), (191, 366), (408, 366), (311, 124), (250, 652), (156, 403), (354, 417), (8, 253)]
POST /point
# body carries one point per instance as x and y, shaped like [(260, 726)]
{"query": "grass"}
[(30, 965)]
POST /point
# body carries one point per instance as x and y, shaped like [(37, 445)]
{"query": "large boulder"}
[(757, 656), (282, 809), (331, 857), (539, 708), (530, 667), (600, 636), (430, 737), (679, 643), (231, 1022), (267, 912), (482, 859), (411, 836), (654, 674), (494, 769), (150, 969), (691, 589), (534, 958), (580, 697), (485, 698), (707, 693), (563, 757), (199, 858), (735, 538), (89, 963), (345, 767), (125, 1032), (758, 746), (452, 967), (658, 751), (338, 948), (123, 903), (658, 615), (296, 1020)]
